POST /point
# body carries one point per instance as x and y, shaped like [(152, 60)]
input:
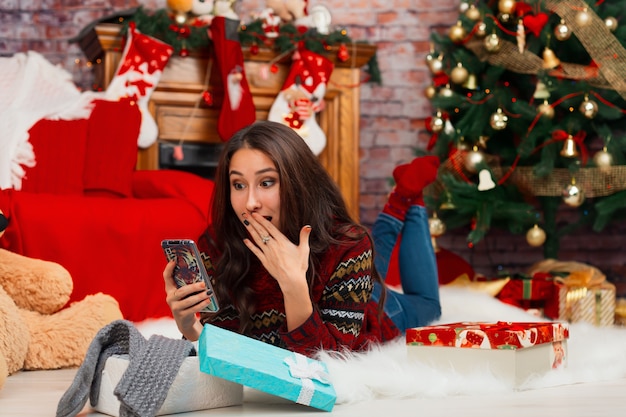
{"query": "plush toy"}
[(290, 11), (203, 10), (37, 331)]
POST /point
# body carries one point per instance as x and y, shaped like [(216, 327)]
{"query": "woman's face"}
[(254, 185)]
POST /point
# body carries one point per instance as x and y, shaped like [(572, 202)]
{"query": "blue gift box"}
[(265, 367)]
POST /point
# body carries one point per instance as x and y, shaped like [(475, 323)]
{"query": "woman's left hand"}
[(286, 262)]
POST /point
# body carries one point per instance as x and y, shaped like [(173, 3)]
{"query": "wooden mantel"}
[(181, 114)]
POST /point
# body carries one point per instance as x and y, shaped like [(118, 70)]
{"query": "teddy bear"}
[(37, 329)]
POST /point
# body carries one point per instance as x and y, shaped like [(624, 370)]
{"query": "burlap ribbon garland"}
[(597, 182), (601, 45)]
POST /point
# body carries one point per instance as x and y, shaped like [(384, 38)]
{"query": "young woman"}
[(289, 265)]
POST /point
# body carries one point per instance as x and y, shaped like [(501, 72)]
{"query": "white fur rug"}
[(594, 354)]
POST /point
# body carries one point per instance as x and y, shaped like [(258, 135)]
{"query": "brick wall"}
[(392, 118)]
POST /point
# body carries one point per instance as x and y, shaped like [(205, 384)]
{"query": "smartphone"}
[(189, 267)]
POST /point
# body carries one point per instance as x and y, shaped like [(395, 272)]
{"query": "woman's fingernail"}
[(247, 223)]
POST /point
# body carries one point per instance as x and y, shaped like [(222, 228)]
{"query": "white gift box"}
[(191, 390), (512, 352)]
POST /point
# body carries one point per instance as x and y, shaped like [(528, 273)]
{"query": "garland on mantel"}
[(193, 35)]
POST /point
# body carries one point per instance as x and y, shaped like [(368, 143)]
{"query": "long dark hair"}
[(308, 196)]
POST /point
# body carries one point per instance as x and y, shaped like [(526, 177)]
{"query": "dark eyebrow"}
[(262, 171)]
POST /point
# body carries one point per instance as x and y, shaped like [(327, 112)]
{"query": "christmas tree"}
[(529, 101)]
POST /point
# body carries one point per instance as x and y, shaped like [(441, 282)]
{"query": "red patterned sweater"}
[(344, 316)]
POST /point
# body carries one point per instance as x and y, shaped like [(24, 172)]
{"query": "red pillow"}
[(59, 148), (171, 183), (111, 153)]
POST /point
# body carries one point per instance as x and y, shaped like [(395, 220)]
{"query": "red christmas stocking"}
[(302, 95), (237, 109), (137, 76)]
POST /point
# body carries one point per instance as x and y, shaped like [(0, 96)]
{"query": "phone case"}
[(189, 267)]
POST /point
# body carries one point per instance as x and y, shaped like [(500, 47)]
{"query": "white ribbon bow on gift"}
[(307, 371)]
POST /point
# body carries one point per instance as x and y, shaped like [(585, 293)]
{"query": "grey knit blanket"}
[(153, 365)]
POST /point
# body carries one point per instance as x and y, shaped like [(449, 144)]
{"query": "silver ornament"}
[(573, 195), (562, 32), (472, 159)]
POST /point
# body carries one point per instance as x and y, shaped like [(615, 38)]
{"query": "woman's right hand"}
[(185, 306)]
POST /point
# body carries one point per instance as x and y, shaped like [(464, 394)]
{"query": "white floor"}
[(382, 383), (35, 394)]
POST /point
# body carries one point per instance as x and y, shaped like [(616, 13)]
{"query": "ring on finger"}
[(265, 239)]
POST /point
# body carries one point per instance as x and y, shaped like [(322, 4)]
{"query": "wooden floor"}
[(36, 393)]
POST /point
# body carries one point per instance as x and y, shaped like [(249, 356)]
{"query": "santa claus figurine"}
[(302, 96)]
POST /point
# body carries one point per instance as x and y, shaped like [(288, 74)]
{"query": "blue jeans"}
[(418, 304)]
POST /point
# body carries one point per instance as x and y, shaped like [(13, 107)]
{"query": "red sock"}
[(237, 109), (411, 179)]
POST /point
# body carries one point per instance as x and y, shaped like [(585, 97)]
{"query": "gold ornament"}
[(588, 108), (181, 18), (535, 236), (430, 92), (611, 23), (541, 92), (583, 18), (471, 83), (459, 74), (562, 32), (492, 43), (472, 159), (546, 109), (473, 13), (573, 195), (569, 148), (437, 123), (506, 6), (446, 91), (462, 145), (447, 203), (435, 64), (481, 30), (457, 32), (498, 120), (504, 17), (550, 60), (603, 159), (437, 228)]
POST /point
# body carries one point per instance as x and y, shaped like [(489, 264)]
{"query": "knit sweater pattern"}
[(344, 315)]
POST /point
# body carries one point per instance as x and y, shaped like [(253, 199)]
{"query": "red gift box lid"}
[(499, 335)]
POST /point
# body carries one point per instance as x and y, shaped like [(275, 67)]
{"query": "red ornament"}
[(343, 54), (274, 68), (254, 49), (208, 98), (535, 23), (184, 52), (184, 31)]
